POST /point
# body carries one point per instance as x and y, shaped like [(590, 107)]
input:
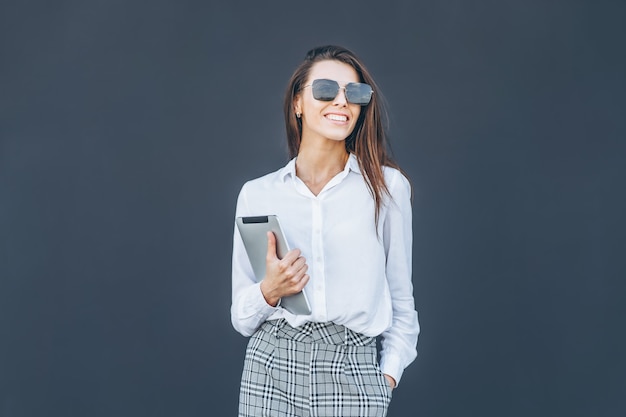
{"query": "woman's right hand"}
[(285, 276)]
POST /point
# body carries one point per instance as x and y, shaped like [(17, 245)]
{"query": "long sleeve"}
[(399, 342), (249, 308)]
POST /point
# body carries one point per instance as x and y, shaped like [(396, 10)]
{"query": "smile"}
[(337, 117)]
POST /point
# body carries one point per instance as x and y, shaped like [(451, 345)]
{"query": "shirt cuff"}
[(392, 366), (260, 304)]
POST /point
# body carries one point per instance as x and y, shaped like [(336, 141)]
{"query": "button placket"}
[(318, 257)]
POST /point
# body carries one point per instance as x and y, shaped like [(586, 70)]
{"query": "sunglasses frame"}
[(346, 90)]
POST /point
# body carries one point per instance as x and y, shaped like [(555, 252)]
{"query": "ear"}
[(297, 104)]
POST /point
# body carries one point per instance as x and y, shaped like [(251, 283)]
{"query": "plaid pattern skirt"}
[(318, 369)]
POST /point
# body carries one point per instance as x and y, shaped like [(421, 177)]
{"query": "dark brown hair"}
[(368, 140)]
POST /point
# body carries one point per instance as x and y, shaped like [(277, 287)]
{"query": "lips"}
[(337, 117)]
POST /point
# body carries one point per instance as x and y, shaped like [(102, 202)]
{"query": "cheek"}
[(356, 112), (311, 106)]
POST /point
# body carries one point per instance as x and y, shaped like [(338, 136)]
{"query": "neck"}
[(317, 165)]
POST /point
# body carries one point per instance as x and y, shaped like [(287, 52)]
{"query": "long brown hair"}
[(368, 141)]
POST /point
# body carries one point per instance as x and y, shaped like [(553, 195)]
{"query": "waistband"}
[(323, 333)]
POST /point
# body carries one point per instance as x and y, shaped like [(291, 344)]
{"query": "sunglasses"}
[(327, 90)]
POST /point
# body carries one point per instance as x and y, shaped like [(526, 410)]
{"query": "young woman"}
[(345, 205)]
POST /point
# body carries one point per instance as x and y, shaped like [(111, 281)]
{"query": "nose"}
[(341, 99)]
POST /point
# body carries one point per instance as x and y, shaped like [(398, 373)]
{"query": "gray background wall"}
[(127, 128)]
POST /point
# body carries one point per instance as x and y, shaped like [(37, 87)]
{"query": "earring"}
[(298, 114)]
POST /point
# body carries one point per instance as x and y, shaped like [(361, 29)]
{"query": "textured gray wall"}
[(127, 128)]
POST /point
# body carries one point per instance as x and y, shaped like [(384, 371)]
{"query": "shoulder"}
[(260, 181), (396, 181), (266, 181), (255, 194)]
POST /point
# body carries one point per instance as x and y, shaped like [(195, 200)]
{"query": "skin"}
[(321, 156)]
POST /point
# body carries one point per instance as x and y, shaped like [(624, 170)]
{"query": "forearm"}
[(249, 310), (399, 345)]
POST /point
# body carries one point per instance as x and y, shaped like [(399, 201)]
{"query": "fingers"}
[(390, 380), (285, 276), (292, 267), (297, 266), (271, 246), (296, 284), (296, 271), (300, 286), (272, 255)]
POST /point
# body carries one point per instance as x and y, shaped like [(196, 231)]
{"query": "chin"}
[(339, 137)]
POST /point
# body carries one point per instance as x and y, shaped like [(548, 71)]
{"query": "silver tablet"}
[(253, 231)]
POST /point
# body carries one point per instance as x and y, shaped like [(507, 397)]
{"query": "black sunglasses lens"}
[(325, 90), (356, 93), (359, 93)]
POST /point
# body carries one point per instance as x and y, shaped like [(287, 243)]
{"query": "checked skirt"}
[(318, 369)]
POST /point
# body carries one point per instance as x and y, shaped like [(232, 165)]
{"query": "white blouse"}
[(360, 277)]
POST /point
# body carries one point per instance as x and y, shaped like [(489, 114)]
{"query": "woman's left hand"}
[(390, 381)]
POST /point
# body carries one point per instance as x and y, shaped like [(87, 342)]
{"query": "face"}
[(328, 120)]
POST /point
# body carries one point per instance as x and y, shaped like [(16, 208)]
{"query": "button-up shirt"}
[(360, 274)]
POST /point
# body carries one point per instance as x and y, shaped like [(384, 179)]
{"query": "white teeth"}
[(337, 117)]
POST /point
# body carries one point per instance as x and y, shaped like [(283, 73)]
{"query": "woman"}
[(345, 205)]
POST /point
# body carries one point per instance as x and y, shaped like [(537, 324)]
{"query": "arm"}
[(400, 340), (249, 309), (254, 302)]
